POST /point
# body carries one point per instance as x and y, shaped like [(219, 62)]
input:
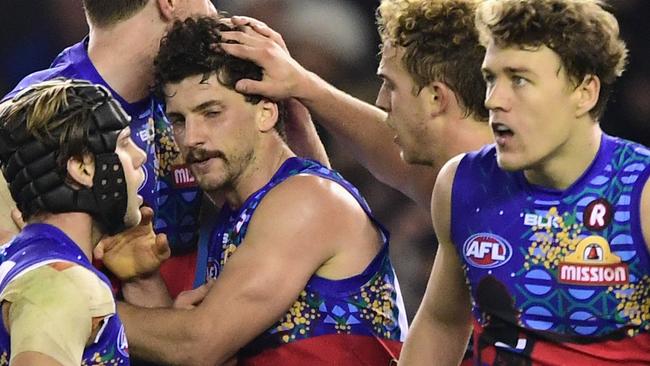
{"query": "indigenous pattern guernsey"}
[(41, 244), (355, 321), (560, 276), (169, 187)]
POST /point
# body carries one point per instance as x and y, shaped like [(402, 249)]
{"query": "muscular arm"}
[(358, 125), (259, 282), (442, 325)]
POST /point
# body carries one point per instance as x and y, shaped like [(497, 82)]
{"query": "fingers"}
[(147, 216), (242, 51), (189, 299), (17, 216), (260, 28), (249, 86), (162, 247), (254, 29)]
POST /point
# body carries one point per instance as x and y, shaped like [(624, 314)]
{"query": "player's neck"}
[(79, 227), (463, 134), (272, 152), (569, 162), (123, 55)]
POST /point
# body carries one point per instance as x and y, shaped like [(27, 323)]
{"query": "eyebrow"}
[(201, 107), (509, 70), (205, 105), (518, 70)]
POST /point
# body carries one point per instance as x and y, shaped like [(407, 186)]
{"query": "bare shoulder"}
[(441, 199), (308, 212), (444, 182), (448, 171), (310, 197)]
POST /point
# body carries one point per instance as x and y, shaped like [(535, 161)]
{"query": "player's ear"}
[(587, 94), (167, 9), (81, 170), (268, 115), (437, 96)]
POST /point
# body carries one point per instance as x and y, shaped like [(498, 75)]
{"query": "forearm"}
[(302, 136), (435, 343), (149, 292), (360, 127), (167, 336)]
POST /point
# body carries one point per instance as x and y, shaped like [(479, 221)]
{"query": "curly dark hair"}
[(583, 34), (189, 48), (440, 43)]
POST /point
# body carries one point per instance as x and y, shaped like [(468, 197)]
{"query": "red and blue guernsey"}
[(41, 244), (556, 277), (169, 187), (354, 321)]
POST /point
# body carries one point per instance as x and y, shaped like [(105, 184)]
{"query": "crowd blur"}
[(336, 39)]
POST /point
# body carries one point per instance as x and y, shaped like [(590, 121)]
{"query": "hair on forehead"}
[(583, 33)]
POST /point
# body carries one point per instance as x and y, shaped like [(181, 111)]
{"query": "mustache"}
[(197, 155)]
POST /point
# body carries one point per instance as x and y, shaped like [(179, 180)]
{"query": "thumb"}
[(103, 246)]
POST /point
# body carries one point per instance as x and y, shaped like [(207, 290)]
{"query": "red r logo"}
[(598, 214)]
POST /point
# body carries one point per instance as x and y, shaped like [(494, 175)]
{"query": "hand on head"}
[(255, 41)]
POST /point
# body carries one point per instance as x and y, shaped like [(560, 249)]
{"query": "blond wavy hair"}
[(440, 43), (42, 109), (583, 34)]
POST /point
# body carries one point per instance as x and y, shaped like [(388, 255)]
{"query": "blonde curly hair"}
[(583, 34), (440, 43)]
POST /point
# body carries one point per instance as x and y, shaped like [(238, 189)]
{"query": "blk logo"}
[(485, 250)]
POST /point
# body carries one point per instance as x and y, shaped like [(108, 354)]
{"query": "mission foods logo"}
[(593, 263), (183, 177), (485, 250)]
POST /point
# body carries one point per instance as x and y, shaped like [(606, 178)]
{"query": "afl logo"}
[(485, 250), (122, 344)]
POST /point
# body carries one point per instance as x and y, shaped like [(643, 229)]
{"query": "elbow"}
[(203, 346)]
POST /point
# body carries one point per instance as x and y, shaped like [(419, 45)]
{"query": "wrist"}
[(307, 87)]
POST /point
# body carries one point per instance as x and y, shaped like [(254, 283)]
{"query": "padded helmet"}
[(31, 159)]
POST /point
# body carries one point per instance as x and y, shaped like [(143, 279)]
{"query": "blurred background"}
[(337, 40)]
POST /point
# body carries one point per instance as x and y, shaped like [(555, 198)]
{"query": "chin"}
[(415, 159), (509, 165), (210, 185)]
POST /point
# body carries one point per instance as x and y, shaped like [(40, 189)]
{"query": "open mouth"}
[(502, 133), (501, 130)]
